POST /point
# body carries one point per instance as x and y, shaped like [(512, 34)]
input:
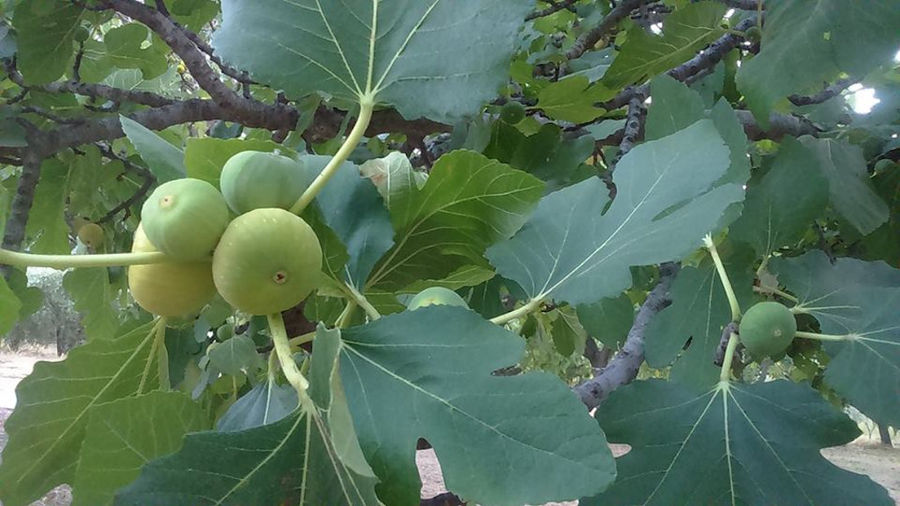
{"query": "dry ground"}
[(862, 456)]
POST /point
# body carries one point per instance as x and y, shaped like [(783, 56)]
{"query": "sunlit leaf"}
[(165, 160)]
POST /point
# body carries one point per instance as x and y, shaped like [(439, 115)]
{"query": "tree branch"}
[(22, 201), (625, 365), (589, 38), (554, 8), (139, 194), (745, 5), (779, 126), (824, 95)]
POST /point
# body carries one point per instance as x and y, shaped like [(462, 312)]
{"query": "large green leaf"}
[(807, 43), (608, 320), (127, 48), (353, 208), (852, 195), (309, 457), (572, 99), (775, 213), (9, 307), (500, 440), (684, 32), (667, 200), (735, 444), (859, 300), (468, 203), (699, 313), (53, 405), (265, 403), (93, 297), (432, 58), (46, 222), (166, 162), (123, 435), (44, 35)]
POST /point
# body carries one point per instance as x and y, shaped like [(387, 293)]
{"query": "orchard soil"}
[(864, 455)]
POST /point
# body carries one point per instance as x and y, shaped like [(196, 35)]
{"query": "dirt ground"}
[(862, 456)]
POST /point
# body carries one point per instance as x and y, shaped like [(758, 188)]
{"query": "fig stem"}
[(777, 292), (363, 302), (356, 134), (162, 356), (723, 277), (297, 342), (822, 337), (285, 357), (344, 318), (528, 308), (725, 373), (62, 262)]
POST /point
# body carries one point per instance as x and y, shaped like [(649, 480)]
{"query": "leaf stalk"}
[(723, 277), (285, 357)]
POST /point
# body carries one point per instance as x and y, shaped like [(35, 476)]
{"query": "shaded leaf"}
[(735, 444), (126, 50), (500, 440), (608, 320), (395, 52), (807, 43), (9, 307), (468, 203), (46, 222), (235, 355), (265, 403), (48, 426), (859, 300), (166, 162), (776, 213), (852, 195), (571, 251), (674, 107), (684, 32), (93, 298), (44, 37), (123, 435)]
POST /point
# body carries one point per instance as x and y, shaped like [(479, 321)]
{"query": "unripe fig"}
[(169, 289), (267, 261), (436, 295), (225, 332), (81, 34), (91, 235), (255, 180), (185, 218), (767, 329), (512, 112)]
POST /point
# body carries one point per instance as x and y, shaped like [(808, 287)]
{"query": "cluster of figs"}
[(241, 242)]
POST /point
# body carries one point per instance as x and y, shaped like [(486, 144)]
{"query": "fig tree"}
[(185, 218), (767, 329), (436, 295), (169, 289), (267, 261), (256, 179)]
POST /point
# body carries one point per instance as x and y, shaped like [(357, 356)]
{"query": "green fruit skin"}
[(169, 289), (512, 113), (767, 329), (436, 295), (185, 218), (256, 180), (267, 261)]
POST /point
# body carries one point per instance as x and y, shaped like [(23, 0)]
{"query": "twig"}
[(824, 95), (139, 194), (52, 117), (589, 38), (624, 367), (554, 8), (729, 329), (744, 5)]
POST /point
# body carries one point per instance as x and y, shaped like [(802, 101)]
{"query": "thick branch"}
[(327, 124), (826, 94), (589, 38), (21, 204), (779, 126), (624, 367)]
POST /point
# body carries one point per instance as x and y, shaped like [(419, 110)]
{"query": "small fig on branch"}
[(268, 261), (185, 218), (169, 289), (255, 180), (91, 235), (512, 112), (767, 329)]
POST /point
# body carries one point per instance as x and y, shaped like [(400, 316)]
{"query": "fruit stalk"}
[(285, 357), (530, 307), (725, 373), (356, 134), (162, 356), (723, 276), (363, 302), (62, 262), (822, 337)]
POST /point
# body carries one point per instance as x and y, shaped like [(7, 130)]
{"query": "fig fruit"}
[(185, 218), (267, 261), (91, 235), (512, 112), (436, 295), (169, 289), (767, 329), (256, 179)]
